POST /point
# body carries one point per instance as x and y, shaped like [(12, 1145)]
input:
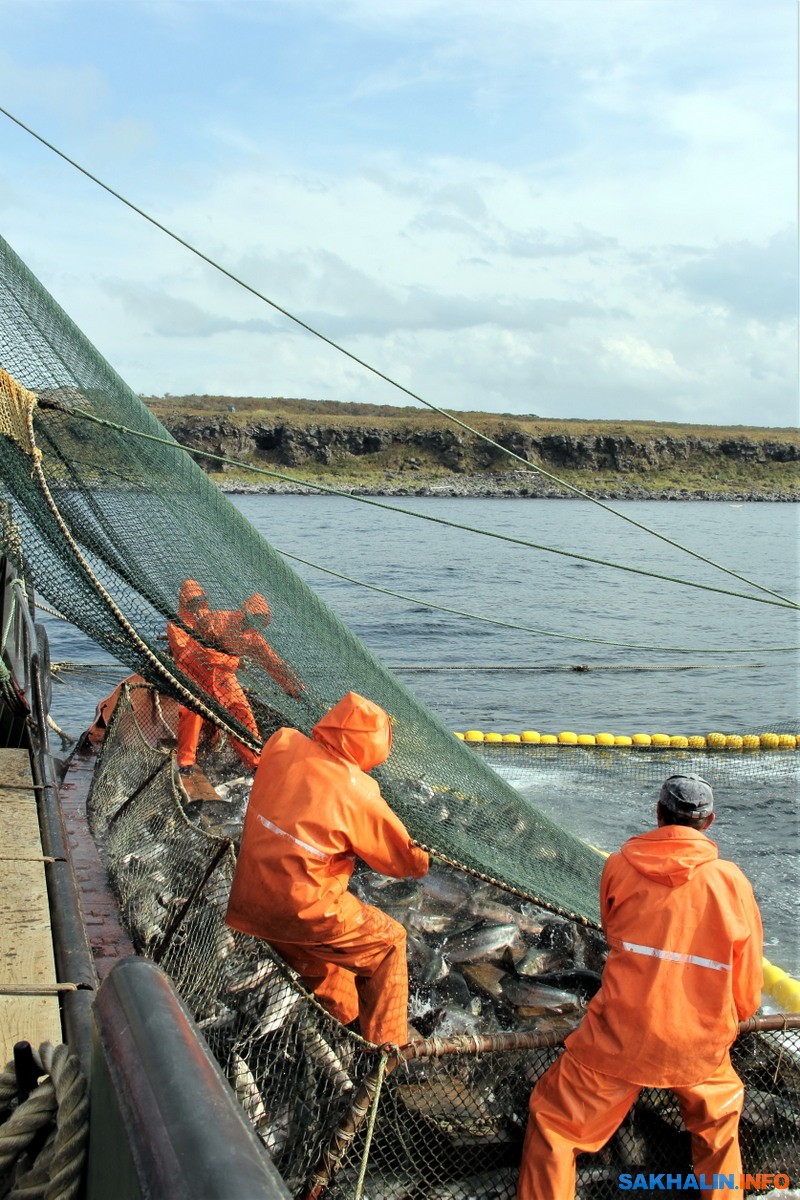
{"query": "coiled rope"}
[(59, 1109)]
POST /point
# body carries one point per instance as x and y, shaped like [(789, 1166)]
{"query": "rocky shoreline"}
[(394, 456), (502, 485)]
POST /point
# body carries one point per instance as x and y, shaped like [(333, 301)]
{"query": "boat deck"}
[(29, 1007)]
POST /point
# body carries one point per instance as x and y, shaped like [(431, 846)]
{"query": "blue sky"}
[(575, 208)]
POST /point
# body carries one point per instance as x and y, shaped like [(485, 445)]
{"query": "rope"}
[(506, 887), (371, 1125), (529, 467), (572, 637), (66, 738), (16, 585), (56, 1173), (36, 989), (780, 602), (581, 667), (51, 611), (194, 702)]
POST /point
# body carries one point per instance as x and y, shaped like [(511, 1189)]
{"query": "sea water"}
[(623, 626)]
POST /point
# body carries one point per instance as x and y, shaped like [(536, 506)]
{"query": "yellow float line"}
[(778, 985), (649, 741)]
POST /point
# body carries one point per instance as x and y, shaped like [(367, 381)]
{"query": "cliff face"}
[(332, 443)]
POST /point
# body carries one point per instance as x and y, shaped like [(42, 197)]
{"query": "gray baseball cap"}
[(687, 796)]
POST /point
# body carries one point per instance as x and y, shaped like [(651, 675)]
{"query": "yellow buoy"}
[(715, 741), (771, 974), (750, 741), (493, 737), (587, 739), (568, 739), (460, 736), (786, 741), (641, 739), (679, 741), (622, 739), (549, 739), (769, 741), (787, 993), (696, 742), (733, 742), (660, 739), (473, 735), (604, 739), (531, 736), (511, 737)]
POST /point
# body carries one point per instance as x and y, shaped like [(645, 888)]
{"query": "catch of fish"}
[(481, 962)]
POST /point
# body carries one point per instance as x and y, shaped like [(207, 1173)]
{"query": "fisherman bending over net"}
[(227, 636), (312, 810)]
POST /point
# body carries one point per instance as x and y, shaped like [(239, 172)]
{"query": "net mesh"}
[(443, 1118), (109, 520), (113, 523)]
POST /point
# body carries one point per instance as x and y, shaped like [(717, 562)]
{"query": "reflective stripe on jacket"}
[(312, 810), (684, 965)]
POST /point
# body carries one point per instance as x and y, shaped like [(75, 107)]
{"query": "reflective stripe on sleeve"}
[(674, 956), (297, 841)]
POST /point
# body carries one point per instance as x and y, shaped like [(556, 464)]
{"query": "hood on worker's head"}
[(669, 855), (190, 590), (356, 729), (257, 611)]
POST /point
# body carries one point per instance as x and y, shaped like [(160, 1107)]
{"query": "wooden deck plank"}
[(33, 1019), (15, 770), (19, 829), (26, 940)]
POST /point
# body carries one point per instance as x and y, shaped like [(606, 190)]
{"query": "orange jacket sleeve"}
[(380, 838), (748, 969), (252, 645)]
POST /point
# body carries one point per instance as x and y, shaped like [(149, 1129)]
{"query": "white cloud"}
[(572, 216)]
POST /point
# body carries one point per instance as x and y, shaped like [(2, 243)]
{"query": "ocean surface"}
[(630, 680)]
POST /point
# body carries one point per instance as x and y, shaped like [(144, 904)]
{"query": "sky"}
[(568, 208)]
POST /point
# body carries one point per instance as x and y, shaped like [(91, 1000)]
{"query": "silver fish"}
[(526, 993), (454, 990), (246, 1089), (482, 943), (438, 922), (322, 1055), (426, 965), (486, 978), (245, 977), (448, 888), (536, 961)]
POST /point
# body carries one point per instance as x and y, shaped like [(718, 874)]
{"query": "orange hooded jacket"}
[(233, 635), (684, 966), (312, 810), (192, 605)]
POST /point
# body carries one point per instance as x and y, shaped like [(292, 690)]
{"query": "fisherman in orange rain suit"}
[(312, 810), (684, 967), (228, 635), (192, 605)]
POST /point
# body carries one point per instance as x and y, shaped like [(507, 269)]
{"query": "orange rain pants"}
[(368, 977), (575, 1109), (222, 684)]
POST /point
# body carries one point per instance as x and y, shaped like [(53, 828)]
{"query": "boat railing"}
[(163, 1119)]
